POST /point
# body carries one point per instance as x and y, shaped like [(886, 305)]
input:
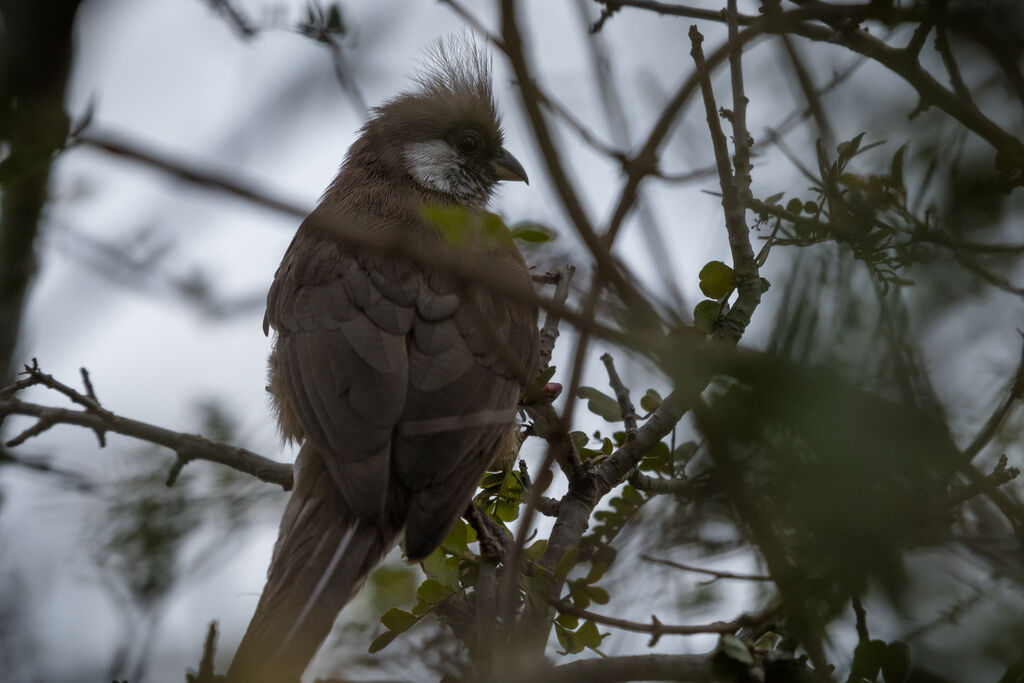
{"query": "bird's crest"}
[(457, 66), (453, 84)]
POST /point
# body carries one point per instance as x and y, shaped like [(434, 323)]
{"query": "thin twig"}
[(956, 79), (989, 482), (711, 572), (1014, 393)]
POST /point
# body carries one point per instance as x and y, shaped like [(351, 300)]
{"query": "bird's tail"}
[(322, 558)]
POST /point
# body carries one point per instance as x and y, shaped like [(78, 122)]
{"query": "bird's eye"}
[(468, 143)]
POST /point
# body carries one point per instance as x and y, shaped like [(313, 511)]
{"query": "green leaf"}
[(734, 648), (896, 664), (462, 227), (537, 588), (658, 459), (432, 592), (506, 510), (705, 315), (716, 279), (650, 401), (600, 404), (382, 641), (537, 550), (493, 479), (767, 642), (533, 233), (569, 621), (601, 560), (567, 639), (588, 635), (632, 496), (567, 562), (398, 620), (598, 595), (774, 199), (457, 541), (444, 569)]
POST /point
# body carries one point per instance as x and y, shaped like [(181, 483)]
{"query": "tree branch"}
[(658, 629), (187, 447)]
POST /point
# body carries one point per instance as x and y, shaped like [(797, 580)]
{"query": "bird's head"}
[(446, 133)]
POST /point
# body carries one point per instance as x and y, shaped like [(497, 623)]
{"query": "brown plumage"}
[(401, 383)]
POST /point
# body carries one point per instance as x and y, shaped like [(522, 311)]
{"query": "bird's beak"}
[(507, 167)]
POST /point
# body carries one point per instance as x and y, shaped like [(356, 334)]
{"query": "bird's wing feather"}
[(467, 366), (341, 357)]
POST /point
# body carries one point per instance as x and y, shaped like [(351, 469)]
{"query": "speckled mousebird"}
[(400, 380)]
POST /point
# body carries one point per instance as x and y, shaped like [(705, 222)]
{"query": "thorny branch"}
[(657, 629)]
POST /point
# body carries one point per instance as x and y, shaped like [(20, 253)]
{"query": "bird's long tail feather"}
[(322, 558)]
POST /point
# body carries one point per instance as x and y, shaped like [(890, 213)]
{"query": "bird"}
[(400, 354)]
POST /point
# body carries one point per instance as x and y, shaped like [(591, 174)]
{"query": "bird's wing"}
[(341, 357), (470, 353)]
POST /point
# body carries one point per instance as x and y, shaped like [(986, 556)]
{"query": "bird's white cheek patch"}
[(434, 164)]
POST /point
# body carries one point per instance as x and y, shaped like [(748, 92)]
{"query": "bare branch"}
[(749, 284), (622, 395), (741, 137), (187, 447), (549, 332)]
